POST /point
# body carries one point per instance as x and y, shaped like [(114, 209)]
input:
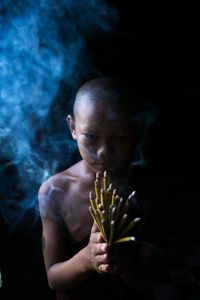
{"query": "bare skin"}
[(105, 143), (68, 192)]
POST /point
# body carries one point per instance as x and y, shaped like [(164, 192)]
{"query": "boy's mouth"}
[(101, 166)]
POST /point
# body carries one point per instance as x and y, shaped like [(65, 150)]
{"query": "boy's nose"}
[(103, 152)]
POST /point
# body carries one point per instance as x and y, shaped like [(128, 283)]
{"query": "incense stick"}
[(109, 211)]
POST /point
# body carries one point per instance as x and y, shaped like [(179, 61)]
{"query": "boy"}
[(78, 262)]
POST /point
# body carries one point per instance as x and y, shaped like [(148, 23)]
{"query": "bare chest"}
[(75, 213)]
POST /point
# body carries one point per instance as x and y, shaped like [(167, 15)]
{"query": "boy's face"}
[(105, 139)]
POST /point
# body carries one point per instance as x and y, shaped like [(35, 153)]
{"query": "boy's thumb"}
[(94, 228)]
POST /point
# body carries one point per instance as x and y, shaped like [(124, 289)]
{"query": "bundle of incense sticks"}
[(110, 212)]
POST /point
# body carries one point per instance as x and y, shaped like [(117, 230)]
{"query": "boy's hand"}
[(98, 251)]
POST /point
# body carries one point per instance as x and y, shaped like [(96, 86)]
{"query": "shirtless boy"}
[(77, 259)]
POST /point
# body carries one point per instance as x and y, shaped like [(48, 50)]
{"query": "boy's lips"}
[(104, 166), (101, 165)]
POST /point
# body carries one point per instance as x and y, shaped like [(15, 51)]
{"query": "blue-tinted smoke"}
[(42, 43)]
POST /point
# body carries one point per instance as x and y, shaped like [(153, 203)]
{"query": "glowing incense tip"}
[(125, 239), (105, 181), (98, 176), (137, 219), (131, 195)]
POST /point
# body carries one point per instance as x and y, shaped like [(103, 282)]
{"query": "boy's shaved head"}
[(120, 97), (94, 90)]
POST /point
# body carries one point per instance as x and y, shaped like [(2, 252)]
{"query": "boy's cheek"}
[(87, 147)]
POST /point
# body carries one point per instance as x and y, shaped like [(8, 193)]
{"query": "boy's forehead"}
[(90, 103), (95, 114)]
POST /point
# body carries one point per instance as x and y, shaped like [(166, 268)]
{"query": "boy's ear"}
[(71, 124)]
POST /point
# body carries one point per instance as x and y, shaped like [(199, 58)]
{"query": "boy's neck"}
[(88, 172)]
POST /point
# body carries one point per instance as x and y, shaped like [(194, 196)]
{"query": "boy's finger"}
[(100, 238), (104, 268), (103, 259), (101, 249)]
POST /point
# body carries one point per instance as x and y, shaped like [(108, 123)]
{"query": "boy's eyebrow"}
[(89, 131), (88, 128)]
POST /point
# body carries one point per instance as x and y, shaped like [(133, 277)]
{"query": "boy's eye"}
[(91, 136)]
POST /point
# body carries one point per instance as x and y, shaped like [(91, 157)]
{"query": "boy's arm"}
[(63, 272)]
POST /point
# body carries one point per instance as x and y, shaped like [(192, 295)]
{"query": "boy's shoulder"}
[(56, 189), (60, 181)]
